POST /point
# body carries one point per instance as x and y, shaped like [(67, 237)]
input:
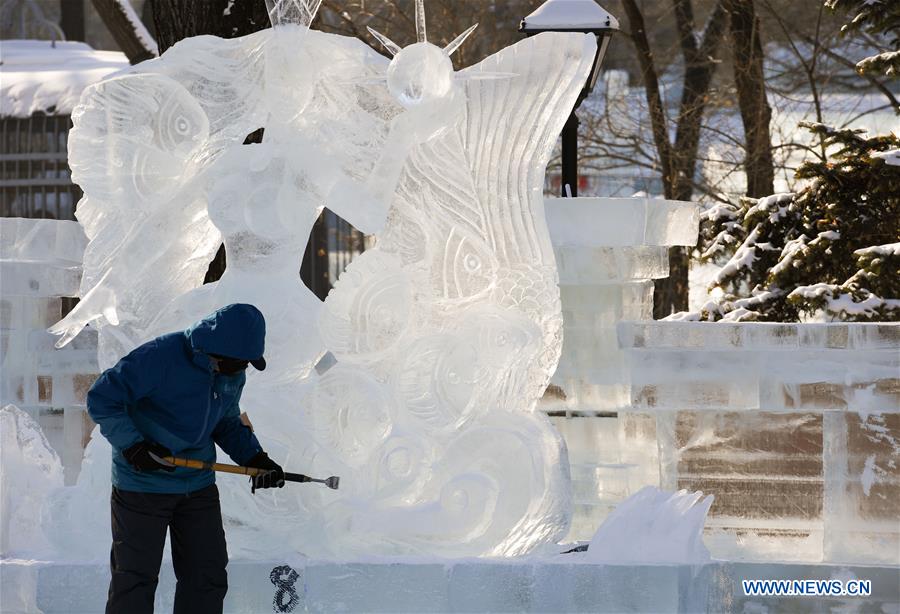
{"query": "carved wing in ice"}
[(138, 144), (453, 320), (142, 143)]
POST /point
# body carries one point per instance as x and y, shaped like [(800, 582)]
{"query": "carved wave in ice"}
[(654, 526)]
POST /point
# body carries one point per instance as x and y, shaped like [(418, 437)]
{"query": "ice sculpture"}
[(654, 526), (29, 469), (445, 334)]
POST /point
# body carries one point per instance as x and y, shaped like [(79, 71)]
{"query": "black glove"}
[(138, 456), (272, 478)]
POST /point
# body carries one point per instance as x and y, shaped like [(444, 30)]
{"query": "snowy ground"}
[(40, 77)]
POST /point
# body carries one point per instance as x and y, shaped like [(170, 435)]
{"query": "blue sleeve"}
[(134, 377), (236, 439)]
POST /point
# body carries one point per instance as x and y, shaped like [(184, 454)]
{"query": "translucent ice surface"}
[(654, 526), (29, 471), (445, 334), (40, 263), (566, 583), (621, 222)]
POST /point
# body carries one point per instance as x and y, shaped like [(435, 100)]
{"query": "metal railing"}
[(35, 180)]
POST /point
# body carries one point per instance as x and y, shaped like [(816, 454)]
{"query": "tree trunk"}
[(117, 21), (672, 293), (71, 20), (679, 161), (178, 19), (651, 87), (751, 88)]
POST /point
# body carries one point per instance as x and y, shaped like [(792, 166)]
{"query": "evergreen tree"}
[(831, 249), (879, 18)]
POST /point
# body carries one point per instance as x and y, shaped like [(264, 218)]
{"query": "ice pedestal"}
[(608, 251), (560, 584), (40, 265), (610, 458)]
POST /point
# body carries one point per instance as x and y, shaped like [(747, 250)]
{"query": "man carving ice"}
[(178, 394)]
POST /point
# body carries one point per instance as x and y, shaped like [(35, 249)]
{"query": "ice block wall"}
[(565, 583), (40, 265), (795, 428)]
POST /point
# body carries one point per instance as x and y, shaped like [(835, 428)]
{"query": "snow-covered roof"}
[(569, 15), (36, 76)]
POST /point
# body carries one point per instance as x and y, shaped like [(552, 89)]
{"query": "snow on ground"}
[(39, 76)]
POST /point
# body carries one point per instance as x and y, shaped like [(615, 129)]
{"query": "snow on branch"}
[(127, 29)]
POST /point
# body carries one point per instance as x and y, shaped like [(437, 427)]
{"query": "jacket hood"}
[(235, 331)]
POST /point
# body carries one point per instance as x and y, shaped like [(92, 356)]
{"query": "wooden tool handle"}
[(197, 464), (251, 471)]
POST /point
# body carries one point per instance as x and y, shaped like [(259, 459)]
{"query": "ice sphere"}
[(419, 74), (29, 470)]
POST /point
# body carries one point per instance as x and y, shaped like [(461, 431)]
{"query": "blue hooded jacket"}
[(166, 391)]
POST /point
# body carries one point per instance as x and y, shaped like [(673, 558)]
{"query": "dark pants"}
[(139, 523)]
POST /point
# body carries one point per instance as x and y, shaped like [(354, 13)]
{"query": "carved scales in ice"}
[(446, 333)]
